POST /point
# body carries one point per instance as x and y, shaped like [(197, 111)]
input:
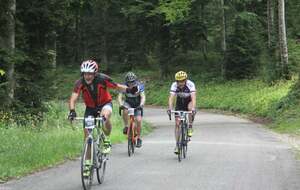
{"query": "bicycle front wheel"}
[(131, 144), (87, 171), (184, 141), (180, 146), (130, 147)]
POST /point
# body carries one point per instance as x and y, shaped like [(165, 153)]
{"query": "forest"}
[(218, 40)]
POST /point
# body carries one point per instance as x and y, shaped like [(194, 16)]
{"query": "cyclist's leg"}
[(190, 129), (179, 106), (177, 134), (106, 112), (139, 127), (125, 117), (138, 117)]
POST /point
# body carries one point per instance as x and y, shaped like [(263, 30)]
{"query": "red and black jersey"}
[(95, 94)]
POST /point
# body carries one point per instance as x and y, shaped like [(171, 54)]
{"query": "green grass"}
[(26, 149), (248, 96)]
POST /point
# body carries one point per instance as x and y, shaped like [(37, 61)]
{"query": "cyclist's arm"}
[(143, 98), (73, 100), (120, 99), (171, 100), (121, 87), (110, 84)]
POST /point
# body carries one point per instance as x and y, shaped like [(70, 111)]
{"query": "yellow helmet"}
[(180, 75)]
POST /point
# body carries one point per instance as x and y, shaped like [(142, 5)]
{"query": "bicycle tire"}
[(130, 142), (101, 167), (86, 181), (129, 147), (180, 145), (184, 141)]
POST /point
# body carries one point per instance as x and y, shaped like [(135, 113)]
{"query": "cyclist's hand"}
[(132, 90), (72, 115), (194, 111), (193, 114), (169, 112), (123, 106), (140, 107)]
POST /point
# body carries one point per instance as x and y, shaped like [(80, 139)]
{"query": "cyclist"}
[(130, 100), (97, 98), (185, 92)]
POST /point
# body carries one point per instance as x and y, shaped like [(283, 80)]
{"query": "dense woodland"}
[(217, 40)]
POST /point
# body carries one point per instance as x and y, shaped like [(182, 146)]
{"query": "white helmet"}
[(89, 66)]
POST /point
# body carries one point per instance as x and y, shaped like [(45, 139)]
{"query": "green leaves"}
[(2, 72), (171, 10), (174, 10)]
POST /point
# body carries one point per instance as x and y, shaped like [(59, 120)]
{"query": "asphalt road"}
[(226, 153)]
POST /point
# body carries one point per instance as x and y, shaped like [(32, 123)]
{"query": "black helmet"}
[(130, 77)]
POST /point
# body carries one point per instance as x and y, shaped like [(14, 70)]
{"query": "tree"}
[(223, 41), (270, 20), (282, 40), (10, 45)]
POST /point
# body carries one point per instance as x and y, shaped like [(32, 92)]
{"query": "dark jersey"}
[(134, 100), (95, 94)]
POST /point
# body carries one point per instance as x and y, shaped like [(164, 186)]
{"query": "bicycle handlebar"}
[(179, 112), (102, 118), (125, 108)]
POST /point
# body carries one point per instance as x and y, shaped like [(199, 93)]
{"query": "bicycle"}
[(131, 131), (183, 137), (94, 140)]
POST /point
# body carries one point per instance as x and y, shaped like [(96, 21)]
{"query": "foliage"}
[(127, 35), (242, 56)]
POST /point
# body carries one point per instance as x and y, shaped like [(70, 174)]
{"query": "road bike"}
[(131, 131), (94, 141), (183, 139)]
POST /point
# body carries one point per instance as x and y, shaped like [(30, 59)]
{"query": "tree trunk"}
[(11, 47), (204, 38), (223, 42), (270, 7), (51, 49), (77, 37), (283, 40), (104, 58)]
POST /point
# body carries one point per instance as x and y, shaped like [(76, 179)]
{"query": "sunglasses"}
[(131, 82)]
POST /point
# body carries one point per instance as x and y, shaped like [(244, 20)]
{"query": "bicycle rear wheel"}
[(87, 180)]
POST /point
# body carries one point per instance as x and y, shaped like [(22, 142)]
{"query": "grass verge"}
[(26, 149)]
